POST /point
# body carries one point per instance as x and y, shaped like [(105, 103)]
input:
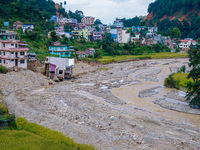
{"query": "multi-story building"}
[(12, 52), (97, 35), (81, 25), (61, 50), (118, 23), (119, 35), (125, 36), (185, 44), (88, 21)]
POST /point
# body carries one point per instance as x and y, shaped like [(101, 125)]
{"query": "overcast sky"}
[(108, 10)]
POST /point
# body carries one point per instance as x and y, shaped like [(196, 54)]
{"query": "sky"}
[(108, 10)]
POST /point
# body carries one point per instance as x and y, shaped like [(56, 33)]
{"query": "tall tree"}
[(193, 93), (175, 33)]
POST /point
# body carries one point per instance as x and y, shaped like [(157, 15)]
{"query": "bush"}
[(21, 122), (3, 69), (171, 83)]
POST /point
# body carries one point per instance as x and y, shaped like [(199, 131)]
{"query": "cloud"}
[(108, 10)]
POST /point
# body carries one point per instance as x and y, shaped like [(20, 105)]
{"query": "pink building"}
[(88, 21), (12, 52), (81, 25), (97, 35)]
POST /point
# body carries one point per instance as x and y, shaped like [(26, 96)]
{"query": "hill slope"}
[(184, 14)]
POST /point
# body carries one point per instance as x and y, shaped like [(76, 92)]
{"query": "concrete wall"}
[(125, 36)]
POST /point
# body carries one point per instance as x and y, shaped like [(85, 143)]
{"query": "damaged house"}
[(58, 68)]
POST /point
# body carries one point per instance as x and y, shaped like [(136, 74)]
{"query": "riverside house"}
[(61, 50), (11, 53)]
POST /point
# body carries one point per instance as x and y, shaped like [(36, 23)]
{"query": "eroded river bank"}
[(115, 106)]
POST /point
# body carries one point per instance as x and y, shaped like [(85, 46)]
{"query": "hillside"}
[(26, 11), (184, 14)]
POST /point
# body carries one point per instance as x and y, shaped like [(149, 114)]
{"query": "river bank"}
[(109, 106)]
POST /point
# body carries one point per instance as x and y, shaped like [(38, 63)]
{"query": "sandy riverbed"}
[(124, 106)]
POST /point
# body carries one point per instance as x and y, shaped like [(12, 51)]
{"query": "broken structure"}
[(58, 68)]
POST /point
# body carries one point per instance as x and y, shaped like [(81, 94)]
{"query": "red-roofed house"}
[(185, 44), (17, 24)]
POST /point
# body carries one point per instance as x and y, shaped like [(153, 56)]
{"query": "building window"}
[(12, 60), (21, 53), (0, 61), (12, 52), (12, 44), (0, 52), (4, 45), (22, 61), (15, 45), (4, 53), (4, 61)]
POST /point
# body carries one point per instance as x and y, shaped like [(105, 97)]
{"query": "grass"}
[(36, 137), (182, 77), (108, 59), (17, 140)]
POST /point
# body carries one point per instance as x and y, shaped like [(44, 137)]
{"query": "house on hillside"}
[(97, 35), (60, 68), (17, 25), (28, 27), (89, 51), (11, 54), (61, 50), (88, 20), (185, 44)]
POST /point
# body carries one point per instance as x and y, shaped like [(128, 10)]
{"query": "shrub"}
[(21, 122), (3, 69), (170, 82)]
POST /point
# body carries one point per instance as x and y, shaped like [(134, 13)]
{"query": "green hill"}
[(184, 14)]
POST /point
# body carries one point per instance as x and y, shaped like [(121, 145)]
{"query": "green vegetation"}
[(3, 69), (189, 27), (193, 93), (109, 59), (178, 81)]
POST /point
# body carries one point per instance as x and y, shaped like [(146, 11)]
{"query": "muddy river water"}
[(130, 94)]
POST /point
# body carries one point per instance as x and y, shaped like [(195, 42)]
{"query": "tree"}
[(175, 33), (97, 28), (193, 93), (97, 54), (68, 28), (54, 36), (97, 21)]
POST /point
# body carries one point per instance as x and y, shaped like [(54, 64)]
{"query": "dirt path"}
[(112, 108)]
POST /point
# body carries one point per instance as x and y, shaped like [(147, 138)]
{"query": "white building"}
[(185, 44)]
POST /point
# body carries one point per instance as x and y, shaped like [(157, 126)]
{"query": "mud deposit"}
[(124, 106)]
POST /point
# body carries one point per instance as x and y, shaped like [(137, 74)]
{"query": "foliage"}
[(32, 11), (135, 21), (193, 93), (68, 28), (97, 54), (97, 21), (170, 82), (77, 15), (54, 36), (175, 33), (3, 69), (177, 8), (21, 122), (178, 81)]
